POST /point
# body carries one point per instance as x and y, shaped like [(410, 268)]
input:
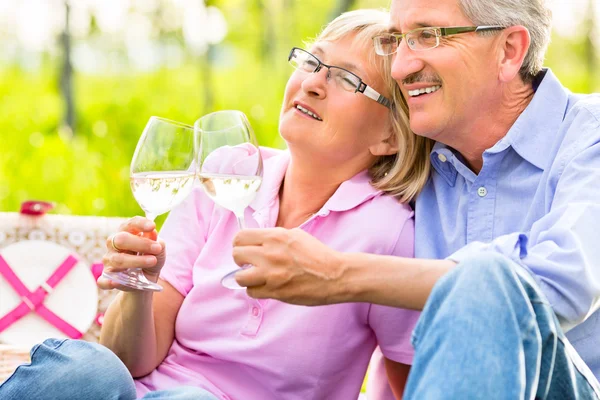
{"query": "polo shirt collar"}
[(349, 194), (352, 193), (532, 135)]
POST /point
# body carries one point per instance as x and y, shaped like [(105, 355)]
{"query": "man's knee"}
[(486, 267), (483, 278)]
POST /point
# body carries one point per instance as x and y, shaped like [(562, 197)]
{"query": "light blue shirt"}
[(536, 200)]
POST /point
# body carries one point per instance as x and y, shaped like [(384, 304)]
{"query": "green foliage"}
[(88, 173)]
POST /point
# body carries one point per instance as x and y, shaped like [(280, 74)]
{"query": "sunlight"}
[(35, 24)]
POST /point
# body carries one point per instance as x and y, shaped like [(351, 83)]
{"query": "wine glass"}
[(162, 174), (230, 166)]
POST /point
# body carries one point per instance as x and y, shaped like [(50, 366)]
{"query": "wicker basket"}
[(10, 358), (84, 236)]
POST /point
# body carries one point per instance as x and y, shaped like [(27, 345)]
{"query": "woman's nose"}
[(315, 83)]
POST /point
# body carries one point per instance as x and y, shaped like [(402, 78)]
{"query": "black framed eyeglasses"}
[(423, 38), (304, 61)]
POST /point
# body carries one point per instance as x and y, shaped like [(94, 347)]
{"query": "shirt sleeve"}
[(378, 387), (393, 326), (184, 232), (561, 250)]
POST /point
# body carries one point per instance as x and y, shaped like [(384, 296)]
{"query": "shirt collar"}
[(444, 162), (352, 193), (530, 136), (348, 195)]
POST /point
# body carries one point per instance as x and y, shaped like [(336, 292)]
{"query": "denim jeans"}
[(78, 370), (488, 332)]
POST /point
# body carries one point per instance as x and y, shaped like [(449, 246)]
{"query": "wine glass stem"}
[(241, 221), (151, 216)]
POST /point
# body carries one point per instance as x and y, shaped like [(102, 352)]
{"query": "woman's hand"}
[(136, 236)]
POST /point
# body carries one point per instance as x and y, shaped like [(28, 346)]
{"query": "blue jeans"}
[(488, 332), (78, 370)]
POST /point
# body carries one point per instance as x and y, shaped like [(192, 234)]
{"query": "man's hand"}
[(289, 265)]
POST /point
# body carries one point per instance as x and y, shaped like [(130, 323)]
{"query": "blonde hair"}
[(405, 173)]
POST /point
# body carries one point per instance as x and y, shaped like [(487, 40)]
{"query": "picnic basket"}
[(48, 267)]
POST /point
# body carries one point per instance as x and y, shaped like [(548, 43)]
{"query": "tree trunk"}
[(268, 42), (66, 76), (206, 75), (340, 7), (590, 51), (287, 31), (208, 98)]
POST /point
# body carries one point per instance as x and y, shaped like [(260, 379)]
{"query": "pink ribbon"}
[(34, 301)]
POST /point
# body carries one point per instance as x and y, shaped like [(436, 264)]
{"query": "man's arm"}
[(293, 266), (561, 249), (392, 281)]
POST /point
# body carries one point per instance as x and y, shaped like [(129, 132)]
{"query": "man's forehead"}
[(411, 14)]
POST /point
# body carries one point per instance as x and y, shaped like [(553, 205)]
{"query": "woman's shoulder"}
[(378, 225), (386, 206)]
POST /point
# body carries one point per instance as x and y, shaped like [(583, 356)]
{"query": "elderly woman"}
[(350, 159)]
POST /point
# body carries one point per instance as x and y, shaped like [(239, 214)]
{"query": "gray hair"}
[(535, 15)]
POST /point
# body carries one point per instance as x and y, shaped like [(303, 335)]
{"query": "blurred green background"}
[(74, 97)]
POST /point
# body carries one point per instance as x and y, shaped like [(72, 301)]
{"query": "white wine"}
[(159, 192), (233, 192)]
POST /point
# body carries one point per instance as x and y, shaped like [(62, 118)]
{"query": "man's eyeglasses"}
[(307, 62), (423, 38)]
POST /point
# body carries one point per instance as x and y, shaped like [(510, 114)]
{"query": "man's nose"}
[(405, 63)]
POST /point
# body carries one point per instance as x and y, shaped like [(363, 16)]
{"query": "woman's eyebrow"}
[(318, 51), (349, 66)]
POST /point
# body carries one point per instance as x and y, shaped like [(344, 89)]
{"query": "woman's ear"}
[(386, 146)]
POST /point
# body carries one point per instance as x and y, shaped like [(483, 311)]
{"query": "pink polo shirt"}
[(245, 349)]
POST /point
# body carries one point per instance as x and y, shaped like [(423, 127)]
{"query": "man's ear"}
[(386, 146), (515, 43)]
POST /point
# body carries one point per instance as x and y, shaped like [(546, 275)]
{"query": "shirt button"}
[(255, 311), (442, 157), (482, 191)]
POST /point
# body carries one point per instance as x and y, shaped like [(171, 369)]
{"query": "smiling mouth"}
[(426, 90), (307, 112)]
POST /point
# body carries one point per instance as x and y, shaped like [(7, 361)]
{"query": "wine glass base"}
[(229, 281), (134, 282)]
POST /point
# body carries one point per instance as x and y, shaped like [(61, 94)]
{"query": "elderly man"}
[(505, 228)]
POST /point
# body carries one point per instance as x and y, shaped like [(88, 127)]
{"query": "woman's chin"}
[(291, 134)]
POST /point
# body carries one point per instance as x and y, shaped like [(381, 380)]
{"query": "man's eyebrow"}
[(425, 25), (393, 29)]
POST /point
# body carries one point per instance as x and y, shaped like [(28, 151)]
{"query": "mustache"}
[(419, 77)]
